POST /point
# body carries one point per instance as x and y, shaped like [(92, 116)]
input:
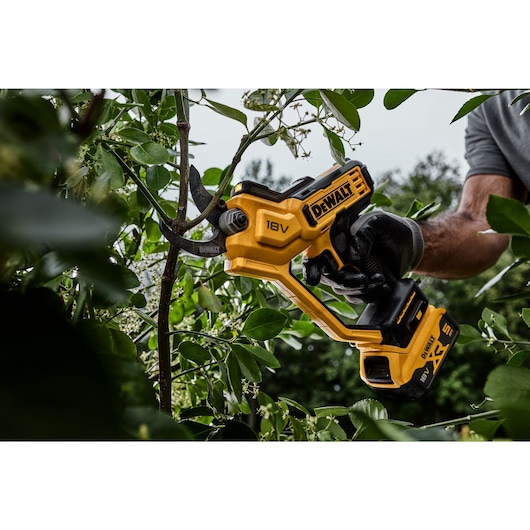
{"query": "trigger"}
[(340, 243)]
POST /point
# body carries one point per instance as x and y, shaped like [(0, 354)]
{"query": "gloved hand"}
[(380, 249)]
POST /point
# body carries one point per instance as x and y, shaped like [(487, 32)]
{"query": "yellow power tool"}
[(401, 337)]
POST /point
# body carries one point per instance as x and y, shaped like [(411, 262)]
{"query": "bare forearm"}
[(456, 247)]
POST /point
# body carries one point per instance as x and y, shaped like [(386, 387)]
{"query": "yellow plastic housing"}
[(277, 232)]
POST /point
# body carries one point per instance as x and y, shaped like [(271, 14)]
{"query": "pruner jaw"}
[(202, 198), (208, 249)]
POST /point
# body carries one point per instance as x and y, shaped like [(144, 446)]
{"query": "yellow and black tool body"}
[(402, 339)]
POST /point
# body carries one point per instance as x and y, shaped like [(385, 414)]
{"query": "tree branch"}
[(170, 269)]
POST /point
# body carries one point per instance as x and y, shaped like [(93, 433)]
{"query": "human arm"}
[(455, 246)]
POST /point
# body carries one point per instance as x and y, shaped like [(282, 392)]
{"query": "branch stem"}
[(170, 270), (463, 420)]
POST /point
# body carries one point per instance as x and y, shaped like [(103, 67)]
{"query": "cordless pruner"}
[(401, 337)]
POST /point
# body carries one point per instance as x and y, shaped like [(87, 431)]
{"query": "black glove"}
[(380, 248)]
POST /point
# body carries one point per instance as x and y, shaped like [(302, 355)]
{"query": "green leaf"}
[(313, 97), (122, 344), (469, 334), (381, 200), (518, 358), (195, 412), (508, 216), (229, 112), (167, 108), (508, 383), (329, 430), (261, 100), (216, 392), (138, 300), (244, 284), (32, 218), (171, 131), (371, 408), (134, 136), (297, 427), (470, 105), (323, 412), (264, 356), (265, 399), (419, 212), (234, 375), (294, 404), (290, 141), (111, 281), (526, 316), (359, 97), (343, 309), (152, 229), (132, 388), (146, 318), (249, 368), (496, 321), (395, 97), (157, 177), (140, 97), (509, 387), (264, 324), (520, 246), (176, 313), (485, 428), (336, 146), (342, 109), (110, 168), (188, 285), (150, 153), (150, 424), (271, 137), (301, 328), (194, 352), (375, 430), (212, 176), (235, 430), (208, 300), (169, 207)]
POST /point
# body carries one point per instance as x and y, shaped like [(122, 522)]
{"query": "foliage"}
[(86, 178), (112, 333)]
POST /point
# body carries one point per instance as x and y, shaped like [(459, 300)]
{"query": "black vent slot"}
[(377, 370)]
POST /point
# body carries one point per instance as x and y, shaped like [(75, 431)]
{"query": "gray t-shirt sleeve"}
[(497, 138), (483, 154)]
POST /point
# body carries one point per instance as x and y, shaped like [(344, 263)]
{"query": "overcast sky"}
[(391, 139)]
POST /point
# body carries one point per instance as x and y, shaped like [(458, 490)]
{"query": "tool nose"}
[(233, 221)]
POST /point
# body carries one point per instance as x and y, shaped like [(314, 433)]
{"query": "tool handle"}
[(304, 299)]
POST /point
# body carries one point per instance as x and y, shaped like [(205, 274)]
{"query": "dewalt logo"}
[(332, 200)]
